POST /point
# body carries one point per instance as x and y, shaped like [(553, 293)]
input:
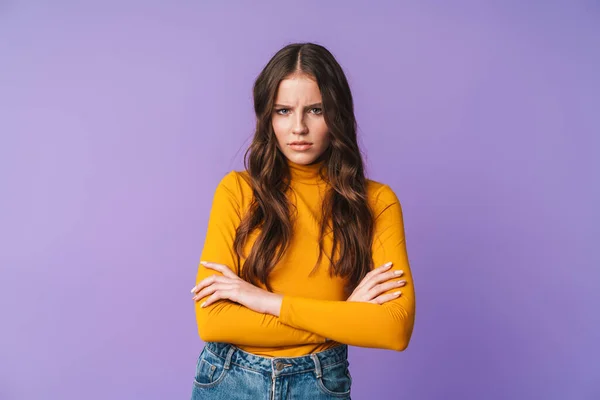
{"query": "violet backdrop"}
[(118, 119)]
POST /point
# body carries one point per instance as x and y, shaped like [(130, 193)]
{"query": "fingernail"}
[(401, 282), (203, 262), (388, 264), (397, 293), (400, 272), (192, 291), (203, 304)]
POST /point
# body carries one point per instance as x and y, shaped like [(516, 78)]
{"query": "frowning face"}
[(298, 120)]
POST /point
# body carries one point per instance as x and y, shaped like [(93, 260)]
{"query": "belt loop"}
[(228, 358), (317, 365)]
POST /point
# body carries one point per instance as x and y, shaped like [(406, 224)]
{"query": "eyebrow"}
[(316, 105)]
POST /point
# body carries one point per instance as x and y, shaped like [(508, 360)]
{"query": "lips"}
[(300, 143), (300, 146)]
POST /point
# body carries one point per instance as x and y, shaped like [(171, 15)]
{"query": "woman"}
[(288, 276)]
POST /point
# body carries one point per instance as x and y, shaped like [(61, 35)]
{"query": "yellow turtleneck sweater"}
[(313, 307)]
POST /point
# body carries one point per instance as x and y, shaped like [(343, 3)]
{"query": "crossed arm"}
[(247, 317)]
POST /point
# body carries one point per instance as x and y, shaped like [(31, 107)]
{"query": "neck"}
[(306, 173)]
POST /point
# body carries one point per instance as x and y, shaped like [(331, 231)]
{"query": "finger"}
[(216, 296), (384, 287), (375, 272), (384, 298), (211, 289), (387, 276), (219, 267), (374, 277), (381, 268), (209, 281), (205, 292)]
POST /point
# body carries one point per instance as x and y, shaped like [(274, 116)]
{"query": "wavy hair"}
[(346, 214)]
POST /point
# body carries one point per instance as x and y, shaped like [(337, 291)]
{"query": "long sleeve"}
[(386, 326), (226, 321)]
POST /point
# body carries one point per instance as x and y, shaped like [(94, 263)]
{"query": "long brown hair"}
[(346, 213)]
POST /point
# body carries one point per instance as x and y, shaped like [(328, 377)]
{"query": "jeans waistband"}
[(275, 366)]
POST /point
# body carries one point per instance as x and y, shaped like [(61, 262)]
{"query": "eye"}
[(316, 110), (282, 111)]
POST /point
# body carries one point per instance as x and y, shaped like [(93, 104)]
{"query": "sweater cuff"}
[(285, 312)]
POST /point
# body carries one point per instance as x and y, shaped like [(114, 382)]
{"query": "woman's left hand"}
[(229, 286)]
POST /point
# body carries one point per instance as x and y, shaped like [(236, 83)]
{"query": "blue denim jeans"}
[(224, 372)]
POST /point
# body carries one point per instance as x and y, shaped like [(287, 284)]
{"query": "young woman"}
[(303, 255)]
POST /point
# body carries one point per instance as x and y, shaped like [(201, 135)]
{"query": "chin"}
[(302, 159)]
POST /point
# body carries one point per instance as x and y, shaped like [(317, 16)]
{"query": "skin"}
[(297, 116)]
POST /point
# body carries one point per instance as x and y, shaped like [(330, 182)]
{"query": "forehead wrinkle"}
[(297, 91)]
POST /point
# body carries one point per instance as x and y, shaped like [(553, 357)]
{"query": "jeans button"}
[(278, 366)]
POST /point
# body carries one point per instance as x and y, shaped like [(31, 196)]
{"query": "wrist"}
[(273, 305)]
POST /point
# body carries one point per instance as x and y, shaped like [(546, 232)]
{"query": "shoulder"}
[(379, 192), (236, 185), (380, 196), (234, 180)]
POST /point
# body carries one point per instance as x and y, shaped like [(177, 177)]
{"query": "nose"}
[(299, 127)]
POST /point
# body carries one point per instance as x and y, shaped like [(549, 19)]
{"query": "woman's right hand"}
[(373, 286)]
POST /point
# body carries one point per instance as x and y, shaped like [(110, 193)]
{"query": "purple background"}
[(118, 119)]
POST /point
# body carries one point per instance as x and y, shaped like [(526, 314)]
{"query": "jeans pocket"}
[(210, 370), (335, 380)]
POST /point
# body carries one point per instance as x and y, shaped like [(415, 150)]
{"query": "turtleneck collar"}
[(305, 173)]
